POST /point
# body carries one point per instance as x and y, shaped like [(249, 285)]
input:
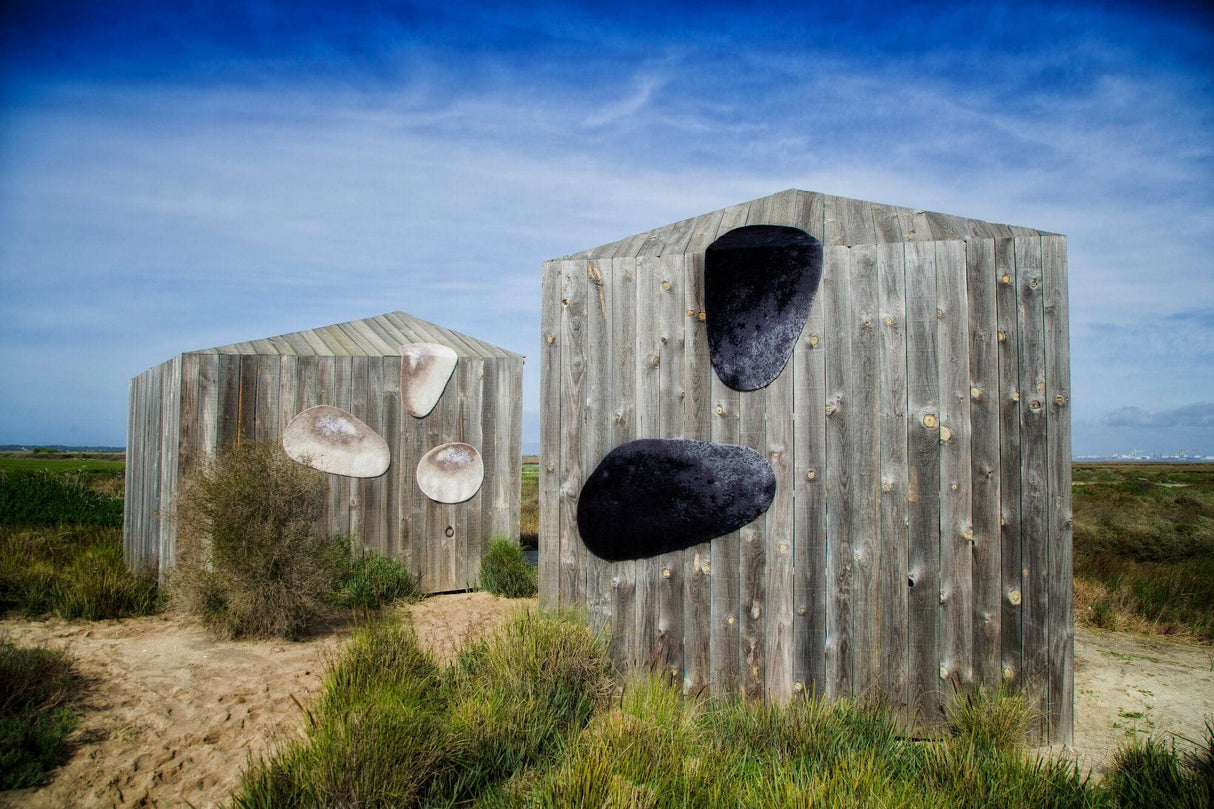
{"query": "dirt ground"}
[(172, 715)]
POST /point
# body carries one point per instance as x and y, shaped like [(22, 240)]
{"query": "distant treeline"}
[(56, 448)]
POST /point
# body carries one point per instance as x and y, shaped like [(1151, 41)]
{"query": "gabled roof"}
[(833, 220), (379, 336)]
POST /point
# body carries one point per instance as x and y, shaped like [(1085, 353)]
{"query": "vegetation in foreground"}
[(1144, 547), (506, 572), (393, 729), (37, 687), (526, 718), (252, 560)]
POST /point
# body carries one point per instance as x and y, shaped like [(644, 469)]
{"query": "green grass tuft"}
[(506, 572), (36, 689)]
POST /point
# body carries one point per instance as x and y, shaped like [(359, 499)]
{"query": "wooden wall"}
[(920, 538), (184, 409)]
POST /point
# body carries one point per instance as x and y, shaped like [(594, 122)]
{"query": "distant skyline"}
[(175, 176)]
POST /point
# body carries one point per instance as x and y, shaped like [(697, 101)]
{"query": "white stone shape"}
[(334, 441), (450, 473), (424, 371)]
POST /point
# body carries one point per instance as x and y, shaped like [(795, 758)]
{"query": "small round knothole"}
[(910, 582), (450, 531)]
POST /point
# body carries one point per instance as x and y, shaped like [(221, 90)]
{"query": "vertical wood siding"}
[(920, 539)]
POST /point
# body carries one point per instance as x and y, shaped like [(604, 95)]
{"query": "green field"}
[(1144, 547)]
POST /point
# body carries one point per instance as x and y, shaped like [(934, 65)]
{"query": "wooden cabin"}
[(184, 409), (919, 540)]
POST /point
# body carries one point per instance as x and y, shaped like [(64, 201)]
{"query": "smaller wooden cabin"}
[(184, 409)]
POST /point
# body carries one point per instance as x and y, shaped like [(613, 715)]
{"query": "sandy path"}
[(172, 714)]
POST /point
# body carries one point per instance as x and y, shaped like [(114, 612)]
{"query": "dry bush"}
[(252, 560)]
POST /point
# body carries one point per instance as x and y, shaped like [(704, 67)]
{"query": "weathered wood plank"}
[(510, 409), (288, 382), (1034, 470), (573, 412), (1058, 439), (475, 529), (596, 429), (390, 407), (697, 407), (374, 493), (648, 424), (984, 457), (956, 527), (359, 487), (923, 489), (170, 428), (862, 423), (208, 408), (269, 379), (841, 459), (621, 403), (229, 399), (246, 408), (551, 419), (891, 281), (496, 502), (341, 487), (668, 289), (1011, 625), (809, 550), (187, 437)]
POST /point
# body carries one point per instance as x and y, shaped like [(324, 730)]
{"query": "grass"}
[(37, 687), (41, 499), (100, 471), (506, 572), (72, 571), (1144, 548), (393, 729), (524, 718)]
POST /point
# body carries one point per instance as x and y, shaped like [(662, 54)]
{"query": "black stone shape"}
[(759, 284), (657, 495)]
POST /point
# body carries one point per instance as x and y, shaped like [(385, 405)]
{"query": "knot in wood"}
[(811, 474), (1002, 337), (666, 286), (929, 421), (665, 573), (889, 321), (720, 410), (1005, 278), (813, 340), (975, 393), (1060, 399), (1013, 597), (549, 339)]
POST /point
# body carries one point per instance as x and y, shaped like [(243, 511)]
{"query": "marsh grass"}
[(506, 572), (37, 687), (393, 729), (72, 571), (1144, 548), (43, 500)]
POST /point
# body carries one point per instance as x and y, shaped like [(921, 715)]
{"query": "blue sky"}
[(181, 175)]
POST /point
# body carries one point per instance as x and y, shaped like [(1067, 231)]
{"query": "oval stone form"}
[(450, 473), (424, 371), (655, 495), (759, 284), (334, 441)]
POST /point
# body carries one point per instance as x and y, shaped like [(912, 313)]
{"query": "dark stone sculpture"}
[(655, 495), (759, 285)]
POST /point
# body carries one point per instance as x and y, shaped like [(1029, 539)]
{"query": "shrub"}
[(36, 687), (505, 571), (251, 559)]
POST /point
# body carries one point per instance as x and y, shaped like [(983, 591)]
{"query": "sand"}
[(172, 714)]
